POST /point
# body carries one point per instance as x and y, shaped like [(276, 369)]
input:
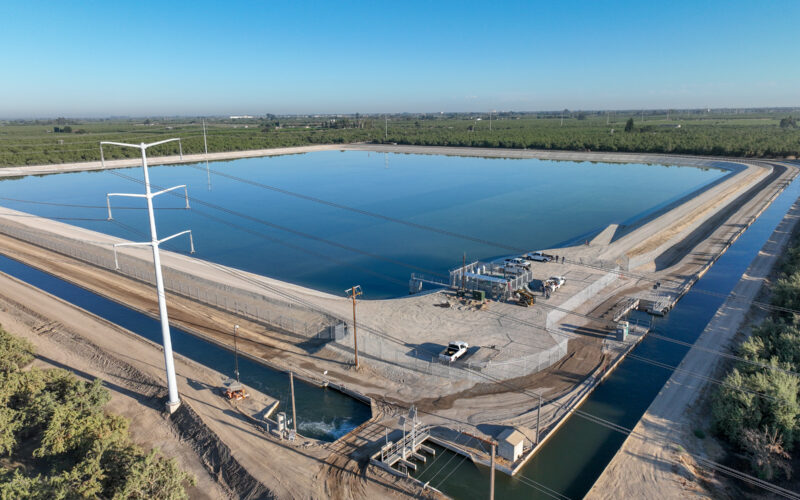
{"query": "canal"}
[(324, 414)]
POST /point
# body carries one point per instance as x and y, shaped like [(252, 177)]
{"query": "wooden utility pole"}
[(294, 413), (353, 293), (491, 480), (538, 414), (235, 353)]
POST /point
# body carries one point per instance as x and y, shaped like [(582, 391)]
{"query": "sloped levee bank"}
[(324, 414), (215, 456)]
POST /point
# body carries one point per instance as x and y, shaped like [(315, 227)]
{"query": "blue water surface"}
[(526, 204)]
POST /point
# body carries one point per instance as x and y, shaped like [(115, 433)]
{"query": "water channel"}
[(323, 414)]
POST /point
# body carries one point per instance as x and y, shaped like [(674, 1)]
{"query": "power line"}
[(395, 281), (398, 282), (495, 244), (74, 205), (621, 428), (587, 416), (296, 232), (502, 316), (499, 315)]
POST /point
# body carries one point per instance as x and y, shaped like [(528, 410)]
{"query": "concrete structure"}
[(510, 444)]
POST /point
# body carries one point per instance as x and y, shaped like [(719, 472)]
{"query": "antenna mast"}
[(174, 402)]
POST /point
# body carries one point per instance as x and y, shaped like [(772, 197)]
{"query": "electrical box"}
[(622, 331), (282, 422)]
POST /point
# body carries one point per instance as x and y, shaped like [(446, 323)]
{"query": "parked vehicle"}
[(556, 281), (510, 268), (539, 257), (454, 350), (517, 261)]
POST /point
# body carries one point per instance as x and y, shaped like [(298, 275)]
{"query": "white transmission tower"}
[(174, 401)]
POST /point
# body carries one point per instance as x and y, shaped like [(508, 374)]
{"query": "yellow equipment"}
[(525, 298)]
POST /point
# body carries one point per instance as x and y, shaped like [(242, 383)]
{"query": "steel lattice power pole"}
[(174, 401), (353, 293)]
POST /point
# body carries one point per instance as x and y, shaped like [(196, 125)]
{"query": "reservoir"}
[(521, 203)]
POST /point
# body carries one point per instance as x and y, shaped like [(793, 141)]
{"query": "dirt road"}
[(230, 455)]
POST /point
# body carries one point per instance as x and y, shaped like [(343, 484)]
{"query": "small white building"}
[(510, 444)]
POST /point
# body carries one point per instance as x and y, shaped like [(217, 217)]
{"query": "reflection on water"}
[(526, 204)]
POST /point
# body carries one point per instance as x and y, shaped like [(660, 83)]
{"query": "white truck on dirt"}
[(539, 257), (454, 351)]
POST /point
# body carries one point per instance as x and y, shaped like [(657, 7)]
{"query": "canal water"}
[(324, 414), (572, 460), (527, 204)]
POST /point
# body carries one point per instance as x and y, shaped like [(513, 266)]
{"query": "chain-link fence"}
[(286, 316), (395, 356)]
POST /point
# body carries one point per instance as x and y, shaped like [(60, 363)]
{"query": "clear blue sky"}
[(203, 57)]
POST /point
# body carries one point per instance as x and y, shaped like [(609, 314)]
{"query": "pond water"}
[(526, 204)]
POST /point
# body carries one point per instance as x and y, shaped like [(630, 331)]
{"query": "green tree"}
[(788, 122), (629, 125), (14, 352), (86, 452)]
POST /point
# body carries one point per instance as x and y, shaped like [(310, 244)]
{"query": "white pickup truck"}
[(539, 257), (454, 351)]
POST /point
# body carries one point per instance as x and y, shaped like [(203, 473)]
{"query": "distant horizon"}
[(207, 58), (255, 115)]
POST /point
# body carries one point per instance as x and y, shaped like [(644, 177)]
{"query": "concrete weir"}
[(508, 341)]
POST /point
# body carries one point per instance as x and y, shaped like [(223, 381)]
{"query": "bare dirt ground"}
[(649, 464), (229, 454)]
